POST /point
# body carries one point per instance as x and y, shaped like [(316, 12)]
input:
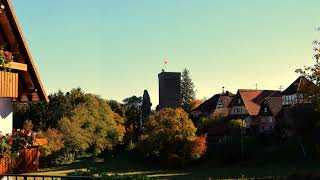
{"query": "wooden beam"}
[(17, 66)]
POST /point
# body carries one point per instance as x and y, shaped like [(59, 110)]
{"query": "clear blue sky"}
[(117, 48)]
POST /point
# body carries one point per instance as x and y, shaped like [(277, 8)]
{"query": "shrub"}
[(199, 147), (55, 141), (170, 134), (236, 126)]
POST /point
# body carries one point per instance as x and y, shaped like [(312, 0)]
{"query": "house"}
[(217, 105), (269, 110), (246, 105), (298, 111), (295, 93), (22, 82)]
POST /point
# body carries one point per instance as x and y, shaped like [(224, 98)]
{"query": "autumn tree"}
[(188, 95), (170, 135)]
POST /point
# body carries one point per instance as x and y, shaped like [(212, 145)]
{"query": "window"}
[(270, 120), (239, 101), (219, 104), (265, 110)]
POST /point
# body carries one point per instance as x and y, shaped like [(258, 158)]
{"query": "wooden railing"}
[(41, 177)]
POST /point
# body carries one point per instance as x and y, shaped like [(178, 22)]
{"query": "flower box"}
[(40, 142), (8, 84)]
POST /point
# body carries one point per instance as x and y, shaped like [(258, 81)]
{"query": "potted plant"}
[(6, 58)]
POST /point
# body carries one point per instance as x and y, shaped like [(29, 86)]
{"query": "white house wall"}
[(6, 116)]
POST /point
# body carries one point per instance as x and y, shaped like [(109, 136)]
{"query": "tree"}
[(117, 107), (170, 135), (306, 118), (146, 107), (92, 126), (312, 73), (188, 95), (133, 111), (47, 114), (132, 119)]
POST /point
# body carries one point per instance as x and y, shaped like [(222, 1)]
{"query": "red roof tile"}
[(253, 98)]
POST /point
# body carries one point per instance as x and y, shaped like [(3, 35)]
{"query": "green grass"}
[(130, 163)]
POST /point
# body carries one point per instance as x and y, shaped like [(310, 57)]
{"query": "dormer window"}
[(219, 104)]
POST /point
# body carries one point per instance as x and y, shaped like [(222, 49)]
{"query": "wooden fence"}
[(26, 162)]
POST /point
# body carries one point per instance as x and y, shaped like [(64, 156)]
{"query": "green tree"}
[(188, 95), (133, 111), (117, 107), (92, 125), (47, 114)]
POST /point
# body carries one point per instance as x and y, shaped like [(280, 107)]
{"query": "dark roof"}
[(274, 102), (298, 85), (210, 104), (252, 99)]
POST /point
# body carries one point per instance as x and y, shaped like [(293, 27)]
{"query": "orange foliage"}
[(196, 103), (199, 146)]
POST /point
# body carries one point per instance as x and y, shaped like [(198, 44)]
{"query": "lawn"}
[(130, 163)]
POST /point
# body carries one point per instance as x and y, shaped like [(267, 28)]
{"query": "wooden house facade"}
[(22, 82)]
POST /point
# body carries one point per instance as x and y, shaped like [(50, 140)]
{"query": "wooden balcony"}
[(8, 84)]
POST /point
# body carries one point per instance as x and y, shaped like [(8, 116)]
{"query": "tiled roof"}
[(275, 104), (297, 86), (210, 104), (253, 99)]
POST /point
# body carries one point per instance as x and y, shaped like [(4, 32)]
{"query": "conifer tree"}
[(188, 95)]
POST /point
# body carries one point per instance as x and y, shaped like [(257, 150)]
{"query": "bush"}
[(170, 135), (55, 141)]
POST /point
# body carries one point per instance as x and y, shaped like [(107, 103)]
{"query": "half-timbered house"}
[(247, 104)]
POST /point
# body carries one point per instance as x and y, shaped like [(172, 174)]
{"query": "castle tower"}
[(169, 90)]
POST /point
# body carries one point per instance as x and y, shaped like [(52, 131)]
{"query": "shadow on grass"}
[(130, 163)]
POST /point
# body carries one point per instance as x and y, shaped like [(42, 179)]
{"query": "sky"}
[(117, 48)]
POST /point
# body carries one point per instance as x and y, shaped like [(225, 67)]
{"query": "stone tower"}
[(169, 90)]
